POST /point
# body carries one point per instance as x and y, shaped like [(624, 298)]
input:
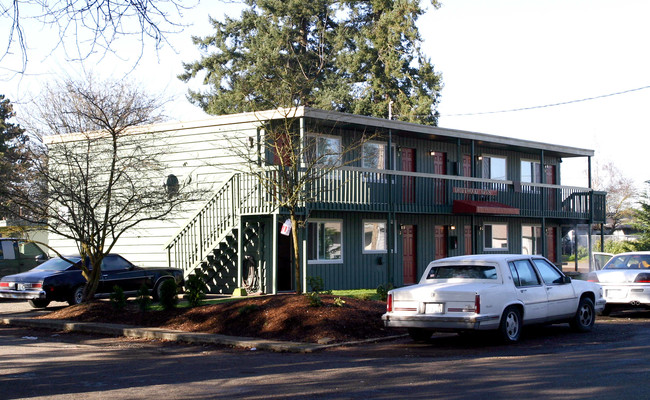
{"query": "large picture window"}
[(325, 241), (374, 236), (495, 236), (531, 239), (323, 150), (374, 155), (494, 168), (530, 172)]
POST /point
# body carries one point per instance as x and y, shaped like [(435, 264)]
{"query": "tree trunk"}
[(296, 252)]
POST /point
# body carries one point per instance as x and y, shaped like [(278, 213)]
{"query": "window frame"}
[(541, 238), (533, 164), (490, 157), (317, 244), (363, 236), (317, 137), (503, 249)]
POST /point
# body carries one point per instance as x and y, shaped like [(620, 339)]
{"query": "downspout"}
[(391, 217)]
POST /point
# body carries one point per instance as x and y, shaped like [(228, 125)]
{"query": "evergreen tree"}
[(14, 164), (350, 56), (642, 224)]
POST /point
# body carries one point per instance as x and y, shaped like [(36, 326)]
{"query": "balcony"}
[(360, 189)]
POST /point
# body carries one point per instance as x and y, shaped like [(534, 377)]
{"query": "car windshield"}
[(463, 272), (634, 261), (57, 264)]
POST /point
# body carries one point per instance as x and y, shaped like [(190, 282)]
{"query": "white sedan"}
[(492, 292), (626, 281)]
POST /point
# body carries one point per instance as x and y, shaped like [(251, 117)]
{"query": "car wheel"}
[(585, 316), (157, 290), (419, 334), (38, 303), (510, 326), (77, 296)]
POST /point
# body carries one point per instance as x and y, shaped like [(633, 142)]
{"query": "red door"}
[(468, 239), (408, 182), (467, 165), (409, 254), (440, 168), (552, 193), (550, 244), (441, 241)]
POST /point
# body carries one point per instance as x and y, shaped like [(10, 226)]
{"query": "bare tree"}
[(94, 25), (621, 193), (99, 176), (296, 167)]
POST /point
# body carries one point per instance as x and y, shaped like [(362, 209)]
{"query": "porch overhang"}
[(483, 207)]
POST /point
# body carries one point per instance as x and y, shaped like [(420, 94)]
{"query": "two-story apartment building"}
[(411, 194)]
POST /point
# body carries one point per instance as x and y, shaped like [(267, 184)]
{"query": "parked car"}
[(625, 280), (18, 255), (492, 292), (60, 279)]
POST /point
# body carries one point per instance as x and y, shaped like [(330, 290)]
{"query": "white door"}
[(562, 300), (529, 290)]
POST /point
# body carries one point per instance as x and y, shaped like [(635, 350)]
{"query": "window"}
[(374, 236), (113, 263), (523, 273), (374, 155), (494, 168), (530, 172), (463, 272), (550, 275), (495, 236), (531, 239), (325, 241), (323, 150)]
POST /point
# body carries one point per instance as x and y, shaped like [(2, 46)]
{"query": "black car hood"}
[(31, 276)]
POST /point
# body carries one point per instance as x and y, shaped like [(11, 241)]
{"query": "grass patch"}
[(361, 294)]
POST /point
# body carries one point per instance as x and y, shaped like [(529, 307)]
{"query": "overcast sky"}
[(494, 56)]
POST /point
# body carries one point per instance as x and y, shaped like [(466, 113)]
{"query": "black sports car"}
[(60, 279)]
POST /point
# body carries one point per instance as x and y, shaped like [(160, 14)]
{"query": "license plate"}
[(20, 286), (433, 308), (614, 293)]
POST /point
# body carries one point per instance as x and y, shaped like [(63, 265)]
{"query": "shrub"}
[(168, 294), (382, 291), (247, 309), (339, 302), (143, 299), (314, 299), (117, 298), (195, 289)]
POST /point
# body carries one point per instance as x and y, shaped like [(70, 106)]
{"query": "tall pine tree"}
[(351, 56)]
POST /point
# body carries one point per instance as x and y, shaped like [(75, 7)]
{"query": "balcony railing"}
[(351, 188)]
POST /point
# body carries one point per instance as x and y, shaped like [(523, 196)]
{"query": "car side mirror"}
[(40, 257), (566, 279)]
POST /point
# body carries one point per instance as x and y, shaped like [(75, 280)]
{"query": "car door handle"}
[(548, 288)]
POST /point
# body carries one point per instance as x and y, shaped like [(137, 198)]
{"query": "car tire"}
[(419, 334), (510, 325), (38, 303), (77, 296), (156, 292), (585, 316)]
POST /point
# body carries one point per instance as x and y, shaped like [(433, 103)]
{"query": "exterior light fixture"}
[(432, 153)]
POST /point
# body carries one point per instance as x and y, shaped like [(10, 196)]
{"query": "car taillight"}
[(389, 303), (592, 278), (36, 285), (477, 303), (642, 278), (4, 284)]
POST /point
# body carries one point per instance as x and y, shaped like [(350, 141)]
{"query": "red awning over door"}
[(483, 207)]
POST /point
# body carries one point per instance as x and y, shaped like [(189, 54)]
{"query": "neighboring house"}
[(451, 193)]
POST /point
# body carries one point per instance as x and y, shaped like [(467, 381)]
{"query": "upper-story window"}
[(374, 155), (494, 168), (323, 150), (530, 171)]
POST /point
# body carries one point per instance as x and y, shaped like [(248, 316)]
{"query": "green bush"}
[(382, 291), (143, 299), (117, 298), (168, 294), (195, 289), (339, 302), (314, 299)]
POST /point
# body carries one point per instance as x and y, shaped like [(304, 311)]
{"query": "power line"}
[(547, 105)]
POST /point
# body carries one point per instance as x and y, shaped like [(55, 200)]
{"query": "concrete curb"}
[(181, 336)]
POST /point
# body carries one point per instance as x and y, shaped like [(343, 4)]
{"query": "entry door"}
[(550, 244), (409, 254), (551, 201), (468, 239), (440, 168), (285, 255), (441, 241), (408, 182)]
